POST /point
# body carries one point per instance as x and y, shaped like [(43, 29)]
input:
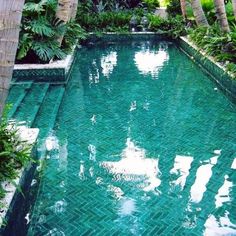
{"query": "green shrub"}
[(106, 21), (152, 4), (173, 8), (222, 46), (14, 153), (174, 26)]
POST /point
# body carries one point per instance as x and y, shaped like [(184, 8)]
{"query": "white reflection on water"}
[(149, 62), (204, 173), (108, 63), (51, 143), (127, 207), (94, 77), (92, 152), (221, 226), (117, 192), (181, 167), (233, 166), (134, 164), (223, 193)]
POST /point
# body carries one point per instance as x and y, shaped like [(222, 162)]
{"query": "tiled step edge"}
[(18, 101), (225, 80), (30, 136), (41, 148), (40, 102), (55, 72), (36, 107)]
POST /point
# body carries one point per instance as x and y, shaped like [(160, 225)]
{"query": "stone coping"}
[(207, 56), (54, 72), (28, 135), (225, 80)]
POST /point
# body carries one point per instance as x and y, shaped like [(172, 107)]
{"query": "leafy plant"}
[(173, 8), (174, 26), (39, 33), (151, 4), (221, 46), (106, 21), (14, 153)]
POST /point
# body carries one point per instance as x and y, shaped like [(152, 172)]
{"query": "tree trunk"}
[(198, 13), (63, 13), (234, 8), (221, 15), (183, 8), (74, 9), (10, 18)]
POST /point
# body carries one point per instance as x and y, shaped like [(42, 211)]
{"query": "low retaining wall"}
[(56, 72)]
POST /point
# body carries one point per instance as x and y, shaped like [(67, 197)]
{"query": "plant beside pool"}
[(14, 154), (40, 29)]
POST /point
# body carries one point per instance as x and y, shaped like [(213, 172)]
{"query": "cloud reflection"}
[(108, 63), (134, 165), (149, 62)]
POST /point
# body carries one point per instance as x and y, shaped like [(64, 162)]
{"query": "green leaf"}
[(42, 27)]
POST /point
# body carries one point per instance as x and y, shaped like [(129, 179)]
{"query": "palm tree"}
[(183, 8), (74, 9), (221, 15), (234, 8), (198, 13), (66, 10), (10, 16)]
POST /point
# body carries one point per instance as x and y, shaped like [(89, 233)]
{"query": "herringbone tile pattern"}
[(139, 152)]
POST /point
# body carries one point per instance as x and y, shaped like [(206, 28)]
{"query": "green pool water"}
[(144, 144)]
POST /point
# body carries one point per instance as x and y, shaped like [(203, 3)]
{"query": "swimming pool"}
[(144, 144)]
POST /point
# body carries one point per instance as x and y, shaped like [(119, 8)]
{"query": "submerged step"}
[(47, 115), (49, 109), (30, 105), (16, 95)]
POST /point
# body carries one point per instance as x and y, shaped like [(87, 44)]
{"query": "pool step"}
[(16, 95), (49, 109), (47, 115), (29, 107)]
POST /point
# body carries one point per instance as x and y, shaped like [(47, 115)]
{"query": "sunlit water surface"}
[(144, 145)]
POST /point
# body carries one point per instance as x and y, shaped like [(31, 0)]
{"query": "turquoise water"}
[(144, 144)]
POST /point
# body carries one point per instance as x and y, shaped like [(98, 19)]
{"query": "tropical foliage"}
[(222, 46), (14, 153), (40, 30)]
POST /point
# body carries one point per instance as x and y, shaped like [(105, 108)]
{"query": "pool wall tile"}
[(124, 37), (57, 73), (224, 80)]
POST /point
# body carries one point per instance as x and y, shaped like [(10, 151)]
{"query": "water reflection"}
[(108, 63), (220, 226), (150, 62), (135, 165), (223, 193), (181, 168), (233, 166), (204, 173)]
